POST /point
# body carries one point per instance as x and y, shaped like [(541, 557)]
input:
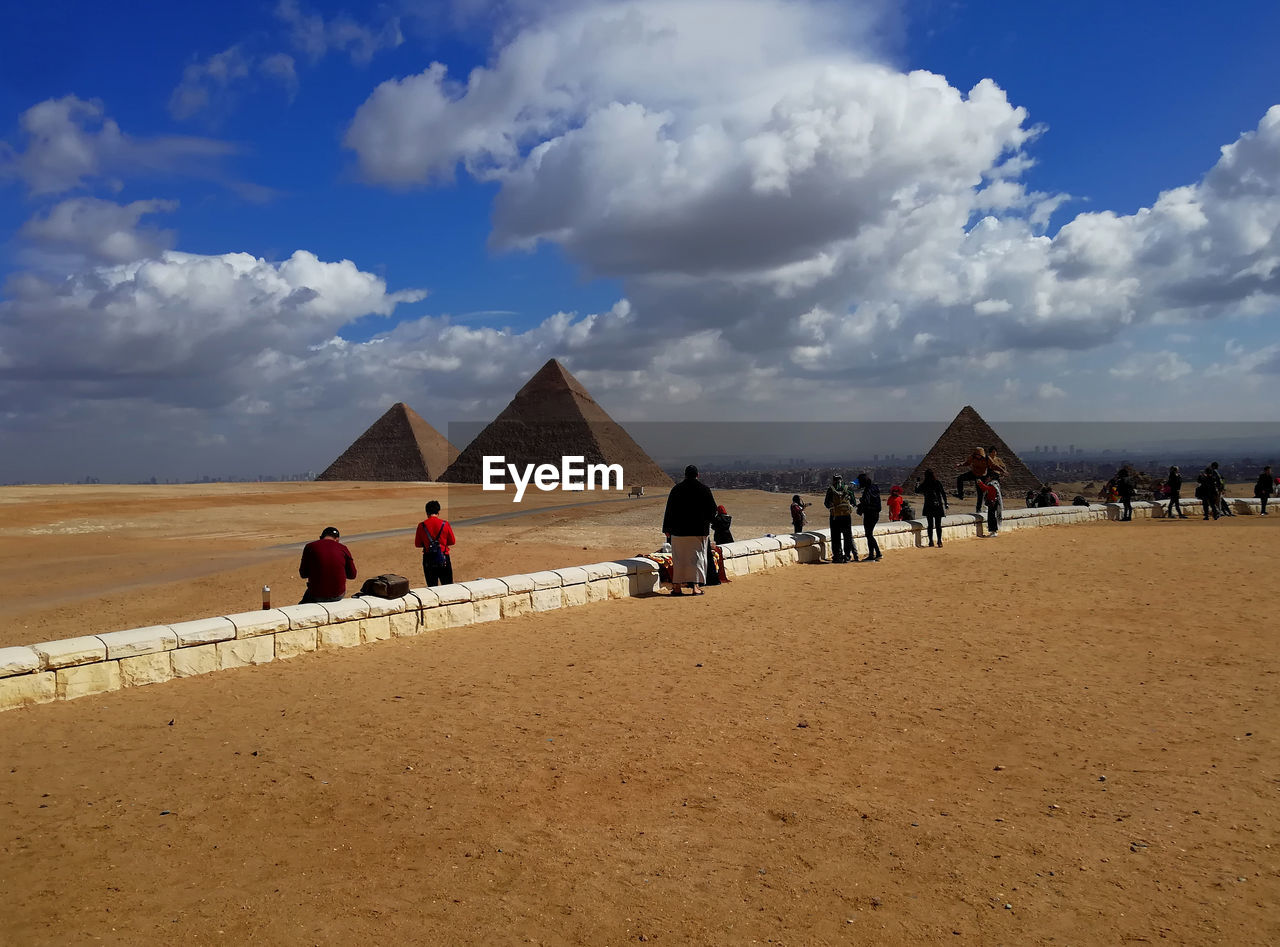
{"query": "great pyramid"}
[(553, 416), (397, 446), (962, 435)]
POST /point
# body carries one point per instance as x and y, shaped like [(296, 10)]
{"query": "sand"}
[(943, 747)]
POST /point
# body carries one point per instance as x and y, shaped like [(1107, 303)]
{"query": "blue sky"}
[(234, 234)]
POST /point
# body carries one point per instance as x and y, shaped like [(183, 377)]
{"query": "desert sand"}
[(1063, 735)]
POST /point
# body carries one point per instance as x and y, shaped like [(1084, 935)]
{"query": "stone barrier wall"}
[(95, 664)]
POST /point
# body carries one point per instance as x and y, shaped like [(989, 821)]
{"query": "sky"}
[(233, 235)]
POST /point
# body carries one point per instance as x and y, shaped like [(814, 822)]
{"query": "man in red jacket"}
[(326, 565)]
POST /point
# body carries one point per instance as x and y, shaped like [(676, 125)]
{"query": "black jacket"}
[(720, 524), (690, 509)]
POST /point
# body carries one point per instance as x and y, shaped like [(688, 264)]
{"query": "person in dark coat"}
[(326, 565), (1224, 505), (935, 504), (869, 507), (1207, 491), (1126, 488), (1265, 487), (1175, 495), (687, 523), (721, 525), (839, 504)]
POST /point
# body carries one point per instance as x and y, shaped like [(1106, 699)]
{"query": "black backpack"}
[(385, 586), (433, 553)]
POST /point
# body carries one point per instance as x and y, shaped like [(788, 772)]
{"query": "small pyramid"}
[(400, 445), (553, 416), (957, 442)]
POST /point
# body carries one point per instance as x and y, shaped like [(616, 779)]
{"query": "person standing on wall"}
[(687, 523), (869, 507), (977, 464), (326, 565), (1175, 494), (1265, 487), (840, 507), (435, 538), (935, 504)]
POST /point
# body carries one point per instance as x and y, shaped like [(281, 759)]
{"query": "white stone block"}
[(27, 689), (460, 615), (734, 550), (388, 606), (644, 583), (485, 588), (638, 564), (14, 661), (347, 609), (452, 594), (619, 586), (488, 609), (407, 624), (604, 570), (375, 629), (435, 619), (427, 598), (268, 621), (85, 680), (544, 600), (573, 575), (290, 644), (518, 583), (135, 641), (513, 606), (598, 590), (70, 651), (242, 652), (344, 634), (188, 662), (146, 669), (575, 595), (203, 631), (546, 580)]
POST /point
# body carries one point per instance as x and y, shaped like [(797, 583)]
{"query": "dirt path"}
[(943, 747)]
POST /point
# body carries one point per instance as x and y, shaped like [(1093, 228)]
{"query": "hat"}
[(329, 531), (895, 489)]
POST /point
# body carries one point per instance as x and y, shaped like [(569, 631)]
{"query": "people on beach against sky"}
[(799, 518), (1175, 494), (435, 538), (326, 565), (839, 503), (977, 464), (869, 507), (1265, 487), (687, 524), (934, 506)]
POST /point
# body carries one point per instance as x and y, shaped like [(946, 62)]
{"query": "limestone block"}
[(348, 609), (638, 564), (124, 644), (764, 544), (14, 661), (786, 541), (513, 606), (242, 652), (604, 570), (575, 595), (810, 552), (518, 583), (546, 580), (375, 629), (788, 557), (489, 609), (201, 659), (452, 594), (646, 583), (203, 631), (70, 651), (146, 669), (546, 599), (25, 689), (290, 644), (427, 598), (435, 619), (407, 624), (388, 606), (597, 590), (619, 586), (485, 588), (573, 575), (268, 621), (734, 550), (85, 680), (460, 615), (343, 634)]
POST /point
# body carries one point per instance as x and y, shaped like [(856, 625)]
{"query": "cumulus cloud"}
[(71, 142), (821, 212), (99, 230), (1159, 366)]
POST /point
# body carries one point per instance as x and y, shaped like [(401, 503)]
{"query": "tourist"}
[(1175, 494), (935, 504), (1207, 491), (687, 524), (840, 506), (895, 503), (326, 565), (977, 464), (799, 519), (435, 538), (720, 526), (995, 505), (1125, 488), (995, 466), (869, 507), (1265, 487), (1223, 503)]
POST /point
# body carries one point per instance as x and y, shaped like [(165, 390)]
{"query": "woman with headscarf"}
[(1175, 495), (935, 504), (869, 507), (1265, 486), (687, 523), (720, 526)]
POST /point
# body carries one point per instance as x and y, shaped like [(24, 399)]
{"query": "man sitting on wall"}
[(326, 565)]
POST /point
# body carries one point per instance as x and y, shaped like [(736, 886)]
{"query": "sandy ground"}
[(940, 748)]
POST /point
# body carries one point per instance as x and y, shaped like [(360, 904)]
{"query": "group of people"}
[(327, 564), (1210, 490), (842, 501)]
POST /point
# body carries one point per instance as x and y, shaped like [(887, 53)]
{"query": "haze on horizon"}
[(236, 234)]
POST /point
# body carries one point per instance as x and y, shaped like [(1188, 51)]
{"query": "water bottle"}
[(266, 597)]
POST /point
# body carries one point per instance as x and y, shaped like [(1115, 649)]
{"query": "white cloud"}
[(1048, 391), (1161, 366), (71, 142), (312, 35), (100, 231), (212, 83)]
